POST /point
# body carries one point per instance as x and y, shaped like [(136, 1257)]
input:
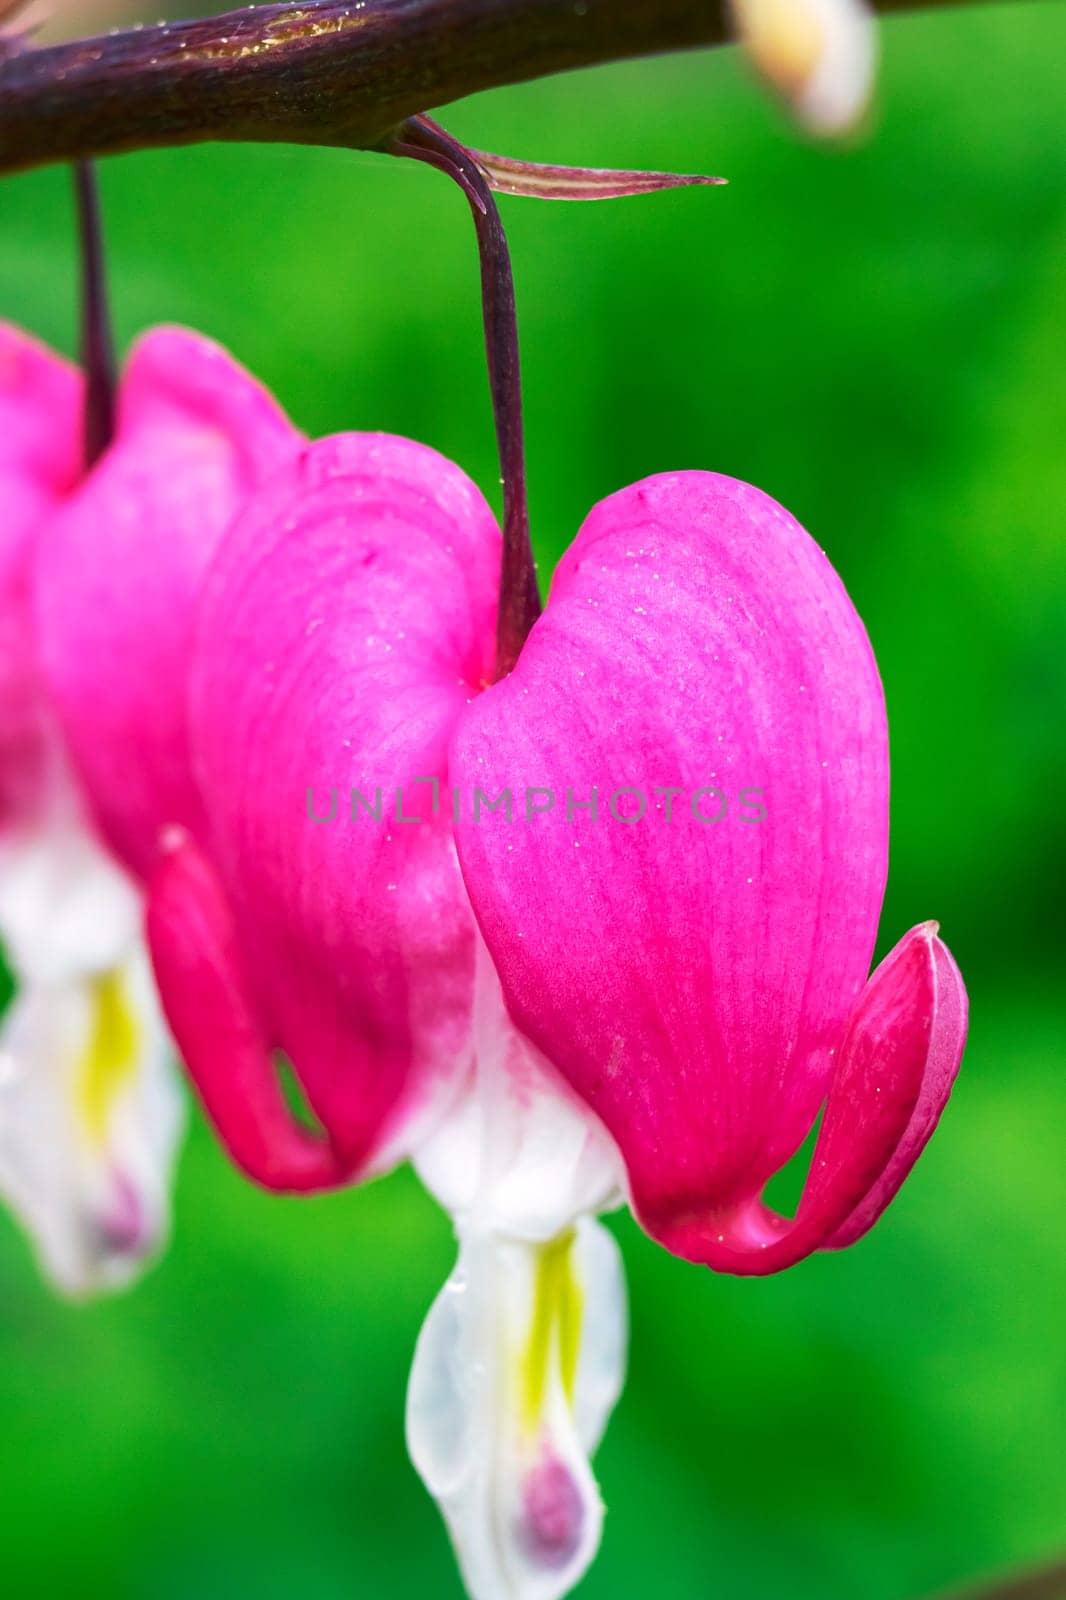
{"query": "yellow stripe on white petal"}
[(90, 1116), (109, 1062), (554, 1341), (522, 1356), (516, 1371), (819, 56)]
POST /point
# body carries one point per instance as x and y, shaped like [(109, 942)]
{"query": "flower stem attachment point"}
[(423, 140)]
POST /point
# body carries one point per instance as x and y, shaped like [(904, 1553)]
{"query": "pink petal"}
[(347, 622), (690, 979), (944, 1054), (40, 411), (898, 1062), (120, 571), (210, 1011), (40, 462)]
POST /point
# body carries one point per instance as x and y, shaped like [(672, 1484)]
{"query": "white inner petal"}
[(90, 1117), (66, 908), (517, 1368), (519, 1154)]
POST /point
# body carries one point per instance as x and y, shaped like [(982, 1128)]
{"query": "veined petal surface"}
[(897, 1064), (120, 569), (689, 970), (347, 621), (227, 1053), (40, 462)]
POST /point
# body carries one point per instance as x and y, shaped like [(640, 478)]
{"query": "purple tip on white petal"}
[(553, 1513), (123, 1226)]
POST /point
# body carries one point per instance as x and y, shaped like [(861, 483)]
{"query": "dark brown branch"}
[(335, 72), (1041, 1583)]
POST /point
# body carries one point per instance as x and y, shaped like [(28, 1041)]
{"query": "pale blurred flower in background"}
[(819, 56)]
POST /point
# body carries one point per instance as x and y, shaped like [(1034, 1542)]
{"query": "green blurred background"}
[(875, 337)]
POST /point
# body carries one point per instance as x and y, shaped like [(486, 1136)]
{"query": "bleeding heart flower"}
[(346, 625), (456, 864), (89, 1110), (619, 998), (699, 976), (694, 979)]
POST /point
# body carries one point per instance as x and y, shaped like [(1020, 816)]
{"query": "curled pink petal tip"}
[(898, 1062)]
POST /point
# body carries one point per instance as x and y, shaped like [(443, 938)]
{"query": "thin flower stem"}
[(519, 607), (96, 349)]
